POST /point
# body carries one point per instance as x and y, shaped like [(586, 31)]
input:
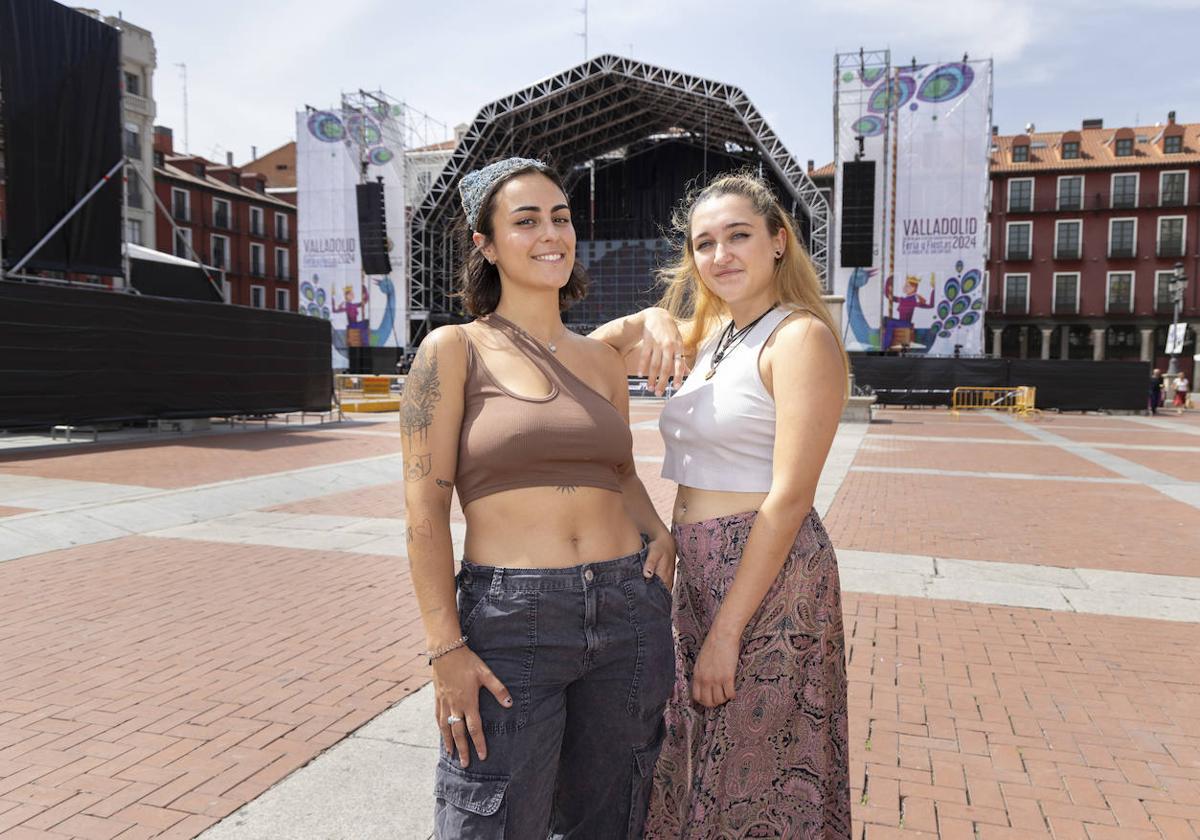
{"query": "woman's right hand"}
[(457, 678)]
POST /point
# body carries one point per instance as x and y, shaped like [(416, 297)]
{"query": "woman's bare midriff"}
[(694, 505), (549, 528)]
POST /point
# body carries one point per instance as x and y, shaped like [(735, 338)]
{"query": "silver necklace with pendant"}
[(730, 339)]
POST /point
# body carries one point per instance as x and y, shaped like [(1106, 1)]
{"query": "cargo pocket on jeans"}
[(470, 806), (644, 759)]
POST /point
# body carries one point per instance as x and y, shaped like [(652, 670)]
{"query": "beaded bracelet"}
[(437, 653)]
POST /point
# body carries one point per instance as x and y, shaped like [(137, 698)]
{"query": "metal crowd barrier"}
[(1020, 400)]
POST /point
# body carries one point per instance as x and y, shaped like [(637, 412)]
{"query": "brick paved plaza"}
[(186, 622)]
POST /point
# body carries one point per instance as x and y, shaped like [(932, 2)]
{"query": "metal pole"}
[(1173, 364), (104, 180), (175, 233)]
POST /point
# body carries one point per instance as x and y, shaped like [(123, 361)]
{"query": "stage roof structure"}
[(584, 112)]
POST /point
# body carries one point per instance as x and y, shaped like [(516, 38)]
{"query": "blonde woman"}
[(756, 742)]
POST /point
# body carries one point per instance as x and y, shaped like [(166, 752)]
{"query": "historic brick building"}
[(1086, 228), (232, 224)]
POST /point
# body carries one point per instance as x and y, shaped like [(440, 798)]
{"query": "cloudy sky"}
[(252, 63)]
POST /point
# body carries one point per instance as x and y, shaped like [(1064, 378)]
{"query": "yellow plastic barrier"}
[(357, 393), (1020, 400)]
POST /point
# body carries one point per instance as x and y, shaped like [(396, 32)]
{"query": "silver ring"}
[(453, 719)]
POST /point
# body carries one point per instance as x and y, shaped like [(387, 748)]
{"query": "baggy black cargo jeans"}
[(588, 656)]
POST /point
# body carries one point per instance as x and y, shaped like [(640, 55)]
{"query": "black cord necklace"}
[(730, 339)]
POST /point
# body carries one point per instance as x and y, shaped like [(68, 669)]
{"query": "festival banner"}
[(862, 133), (934, 295), (928, 127), (337, 149)]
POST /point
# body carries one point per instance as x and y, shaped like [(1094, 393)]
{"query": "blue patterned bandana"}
[(476, 183)]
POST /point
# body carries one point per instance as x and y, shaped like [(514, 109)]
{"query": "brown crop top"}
[(572, 436)]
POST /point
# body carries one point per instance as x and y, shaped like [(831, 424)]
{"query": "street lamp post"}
[(1178, 284)]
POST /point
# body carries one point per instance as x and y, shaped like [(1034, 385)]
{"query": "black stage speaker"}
[(858, 213), (372, 229)]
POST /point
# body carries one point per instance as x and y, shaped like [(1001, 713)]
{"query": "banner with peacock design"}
[(925, 291), (335, 150)]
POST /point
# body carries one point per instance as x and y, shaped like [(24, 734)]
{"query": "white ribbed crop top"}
[(720, 433)]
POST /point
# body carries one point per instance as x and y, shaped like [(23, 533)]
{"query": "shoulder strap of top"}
[(764, 328), (526, 344)]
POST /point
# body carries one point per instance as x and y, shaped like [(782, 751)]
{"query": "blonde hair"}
[(796, 282)]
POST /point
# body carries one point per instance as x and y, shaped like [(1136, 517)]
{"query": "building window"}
[(1018, 246), (1124, 190), (258, 297), (1170, 236), (281, 227), (282, 300), (1173, 144), (1070, 150), (256, 221), (133, 141), (1067, 239), (1120, 292), (282, 271), (1172, 189), (1070, 192), (133, 231), (1020, 195), (226, 290), (220, 252), (133, 193), (256, 259), (1066, 294), (133, 84), (1016, 293), (1122, 238), (183, 243), (181, 205), (1163, 301), (1124, 147), (222, 214), (1020, 154)]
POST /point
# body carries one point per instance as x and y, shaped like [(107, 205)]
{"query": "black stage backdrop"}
[(1064, 385), (72, 355), (62, 115)]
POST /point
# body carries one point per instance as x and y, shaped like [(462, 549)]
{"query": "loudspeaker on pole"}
[(372, 228)]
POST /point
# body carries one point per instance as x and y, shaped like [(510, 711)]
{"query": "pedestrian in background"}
[(1156, 390)]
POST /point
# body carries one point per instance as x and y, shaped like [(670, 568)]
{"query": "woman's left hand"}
[(660, 559), (661, 358), (716, 666)]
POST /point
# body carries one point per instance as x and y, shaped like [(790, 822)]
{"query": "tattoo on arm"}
[(423, 530), (417, 467), (422, 390), (441, 482)]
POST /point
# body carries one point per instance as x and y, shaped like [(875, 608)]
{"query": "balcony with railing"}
[(1068, 251), (1066, 307), (1172, 247), (1018, 251)]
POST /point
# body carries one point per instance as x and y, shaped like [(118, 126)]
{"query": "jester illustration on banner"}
[(927, 127)]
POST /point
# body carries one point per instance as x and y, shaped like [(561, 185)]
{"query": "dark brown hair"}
[(480, 280)]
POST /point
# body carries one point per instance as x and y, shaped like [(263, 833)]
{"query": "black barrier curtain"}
[(62, 117), (76, 355), (1062, 385)]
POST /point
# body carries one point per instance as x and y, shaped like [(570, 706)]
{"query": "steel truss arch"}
[(587, 110)]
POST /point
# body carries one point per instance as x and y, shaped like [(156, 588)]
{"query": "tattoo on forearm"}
[(417, 467), (423, 530), (422, 390), (567, 489), (441, 482)]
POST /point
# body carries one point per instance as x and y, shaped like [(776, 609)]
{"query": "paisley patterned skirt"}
[(772, 762)]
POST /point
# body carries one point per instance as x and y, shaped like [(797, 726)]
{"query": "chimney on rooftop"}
[(254, 153), (810, 166), (229, 158), (995, 131), (1170, 118), (1094, 122)]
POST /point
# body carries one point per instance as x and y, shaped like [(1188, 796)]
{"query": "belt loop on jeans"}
[(497, 581)]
